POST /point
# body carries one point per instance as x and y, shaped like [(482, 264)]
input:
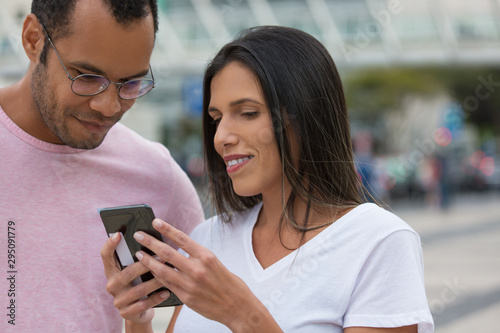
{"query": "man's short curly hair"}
[(56, 15)]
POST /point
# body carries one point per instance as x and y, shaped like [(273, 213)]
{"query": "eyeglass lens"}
[(135, 88), (89, 84)]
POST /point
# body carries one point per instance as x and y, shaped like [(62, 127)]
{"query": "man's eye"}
[(87, 78)]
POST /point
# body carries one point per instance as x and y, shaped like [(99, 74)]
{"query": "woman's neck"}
[(272, 212)]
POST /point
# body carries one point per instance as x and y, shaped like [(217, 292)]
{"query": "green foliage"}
[(176, 136), (478, 91), (374, 92)]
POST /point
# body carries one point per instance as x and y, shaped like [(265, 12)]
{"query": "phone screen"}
[(127, 220)]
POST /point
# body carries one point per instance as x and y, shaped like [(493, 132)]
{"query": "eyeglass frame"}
[(73, 79)]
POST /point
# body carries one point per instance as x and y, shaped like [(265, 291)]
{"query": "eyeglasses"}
[(93, 84)]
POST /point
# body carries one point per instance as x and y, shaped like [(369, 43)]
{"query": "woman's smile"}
[(245, 136), (236, 162)]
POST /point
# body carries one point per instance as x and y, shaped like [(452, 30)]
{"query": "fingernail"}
[(139, 255), (165, 294), (157, 258), (115, 236), (138, 237), (157, 223)]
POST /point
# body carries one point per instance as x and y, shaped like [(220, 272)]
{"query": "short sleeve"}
[(389, 290)]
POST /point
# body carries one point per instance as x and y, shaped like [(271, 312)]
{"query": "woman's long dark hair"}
[(304, 94)]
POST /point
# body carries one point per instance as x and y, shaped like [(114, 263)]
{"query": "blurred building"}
[(358, 34)]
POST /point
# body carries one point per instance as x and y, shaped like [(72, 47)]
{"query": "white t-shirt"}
[(49, 197), (366, 269)]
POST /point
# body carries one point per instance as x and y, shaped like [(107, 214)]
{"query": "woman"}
[(293, 247)]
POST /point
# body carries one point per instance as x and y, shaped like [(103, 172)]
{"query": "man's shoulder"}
[(120, 132), (124, 141)]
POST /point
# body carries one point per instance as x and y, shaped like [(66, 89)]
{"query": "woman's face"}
[(245, 137)]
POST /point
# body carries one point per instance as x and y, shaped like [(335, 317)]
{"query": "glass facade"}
[(358, 33), (200, 27)]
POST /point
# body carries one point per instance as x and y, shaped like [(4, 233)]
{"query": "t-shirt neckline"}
[(261, 273), (32, 141)]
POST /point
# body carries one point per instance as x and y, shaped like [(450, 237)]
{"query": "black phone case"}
[(128, 220)]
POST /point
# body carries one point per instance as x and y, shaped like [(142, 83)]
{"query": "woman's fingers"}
[(125, 277), (141, 311), (109, 261), (164, 273), (132, 301), (178, 237), (201, 281), (138, 292), (165, 252)]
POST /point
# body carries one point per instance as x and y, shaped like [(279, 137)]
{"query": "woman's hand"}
[(130, 300), (203, 283)]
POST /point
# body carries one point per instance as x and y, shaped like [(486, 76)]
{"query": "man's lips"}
[(95, 127)]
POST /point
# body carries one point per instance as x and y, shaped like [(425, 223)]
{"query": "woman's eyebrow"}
[(237, 102), (244, 100)]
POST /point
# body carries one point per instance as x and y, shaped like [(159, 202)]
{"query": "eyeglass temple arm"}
[(55, 50), (152, 76)]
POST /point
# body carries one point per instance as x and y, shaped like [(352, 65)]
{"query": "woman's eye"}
[(250, 114), (216, 121)]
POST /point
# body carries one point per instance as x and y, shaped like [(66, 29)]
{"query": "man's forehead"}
[(116, 52), (86, 11)]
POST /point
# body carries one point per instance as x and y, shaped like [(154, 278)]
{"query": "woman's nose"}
[(226, 134)]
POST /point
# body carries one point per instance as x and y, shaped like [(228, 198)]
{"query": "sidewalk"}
[(462, 262)]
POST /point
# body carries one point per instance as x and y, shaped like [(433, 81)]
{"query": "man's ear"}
[(33, 37)]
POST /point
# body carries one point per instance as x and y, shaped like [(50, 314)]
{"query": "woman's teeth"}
[(239, 160)]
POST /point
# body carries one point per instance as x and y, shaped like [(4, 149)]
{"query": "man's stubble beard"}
[(53, 115)]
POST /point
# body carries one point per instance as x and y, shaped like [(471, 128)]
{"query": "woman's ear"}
[(33, 37)]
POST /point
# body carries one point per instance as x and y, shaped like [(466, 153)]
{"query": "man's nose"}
[(108, 102)]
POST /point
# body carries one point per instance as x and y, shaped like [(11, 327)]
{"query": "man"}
[(63, 157)]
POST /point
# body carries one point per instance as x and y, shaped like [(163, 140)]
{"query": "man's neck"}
[(16, 100), (18, 104)]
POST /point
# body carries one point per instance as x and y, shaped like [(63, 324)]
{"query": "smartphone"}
[(127, 220)]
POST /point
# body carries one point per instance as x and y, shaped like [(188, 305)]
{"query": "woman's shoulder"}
[(374, 221), (219, 224)]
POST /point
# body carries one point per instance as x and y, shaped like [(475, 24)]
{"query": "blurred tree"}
[(477, 90), (176, 136), (374, 92)]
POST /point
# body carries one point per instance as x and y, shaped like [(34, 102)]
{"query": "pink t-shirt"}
[(52, 277)]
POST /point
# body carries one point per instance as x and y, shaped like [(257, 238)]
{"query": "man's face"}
[(97, 45)]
